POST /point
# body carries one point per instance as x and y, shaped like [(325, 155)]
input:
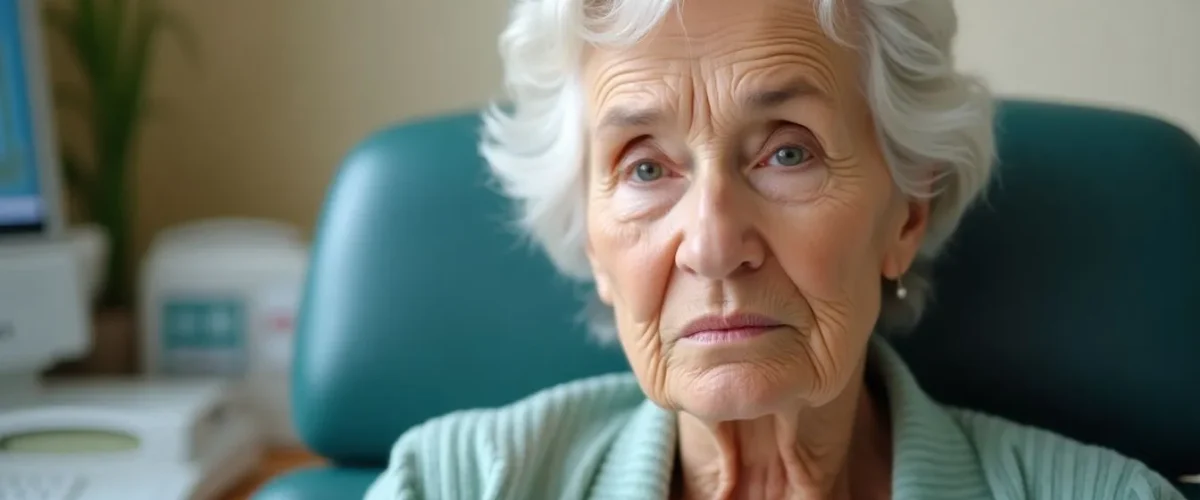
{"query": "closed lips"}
[(730, 324)]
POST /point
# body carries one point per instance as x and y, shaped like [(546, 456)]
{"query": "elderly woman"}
[(753, 186)]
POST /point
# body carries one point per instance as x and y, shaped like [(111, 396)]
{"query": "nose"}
[(719, 236)]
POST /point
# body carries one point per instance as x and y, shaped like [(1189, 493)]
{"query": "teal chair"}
[(1070, 300)]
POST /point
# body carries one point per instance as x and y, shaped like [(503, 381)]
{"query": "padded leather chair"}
[(1070, 300)]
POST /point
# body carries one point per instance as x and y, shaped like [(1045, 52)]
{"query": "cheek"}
[(831, 252), (634, 258), (790, 187)]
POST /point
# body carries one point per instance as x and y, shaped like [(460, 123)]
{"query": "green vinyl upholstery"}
[(1070, 300)]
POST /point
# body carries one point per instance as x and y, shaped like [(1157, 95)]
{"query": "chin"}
[(737, 391)]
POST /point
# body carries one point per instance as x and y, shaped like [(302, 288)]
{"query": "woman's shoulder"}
[(541, 446), (1029, 463)]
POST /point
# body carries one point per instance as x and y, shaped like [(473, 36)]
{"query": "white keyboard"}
[(41, 486), (64, 485)]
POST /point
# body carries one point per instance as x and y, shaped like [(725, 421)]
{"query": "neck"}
[(839, 450)]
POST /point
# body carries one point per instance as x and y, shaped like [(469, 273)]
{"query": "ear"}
[(906, 238), (600, 277)]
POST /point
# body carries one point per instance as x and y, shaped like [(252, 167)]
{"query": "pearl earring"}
[(901, 291)]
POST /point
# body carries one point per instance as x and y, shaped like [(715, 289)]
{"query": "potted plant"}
[(113, 43)]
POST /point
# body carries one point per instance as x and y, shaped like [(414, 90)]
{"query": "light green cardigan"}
[(599, 438)]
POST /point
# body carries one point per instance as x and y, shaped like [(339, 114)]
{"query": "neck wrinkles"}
[(840, 450)]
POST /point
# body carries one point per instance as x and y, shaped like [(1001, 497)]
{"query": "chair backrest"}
[(422, 298), (1071, 300)]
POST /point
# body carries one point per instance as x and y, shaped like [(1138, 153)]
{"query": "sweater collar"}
[(933, 457)]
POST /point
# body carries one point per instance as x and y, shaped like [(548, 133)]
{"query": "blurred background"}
[(284, 88), (249, 107)]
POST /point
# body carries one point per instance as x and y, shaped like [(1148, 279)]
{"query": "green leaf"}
[(113, 42), (76, 176), (108, 17), (85, 41)]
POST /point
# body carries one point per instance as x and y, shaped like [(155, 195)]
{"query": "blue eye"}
[(790, 156), (648, 171)]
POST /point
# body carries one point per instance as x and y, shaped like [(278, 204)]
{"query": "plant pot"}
[(92, 246), (114, 346), (114, 330)]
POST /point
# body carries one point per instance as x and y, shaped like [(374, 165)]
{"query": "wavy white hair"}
[(926, 113)]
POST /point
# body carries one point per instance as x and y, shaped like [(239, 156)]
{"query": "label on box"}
[(203, 336)]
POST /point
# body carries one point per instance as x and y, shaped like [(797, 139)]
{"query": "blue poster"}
[(18, 159)]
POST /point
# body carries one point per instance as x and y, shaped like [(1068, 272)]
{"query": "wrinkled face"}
[(740, 214)]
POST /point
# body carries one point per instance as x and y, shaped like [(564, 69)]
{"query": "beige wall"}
[(1137, 54), (286, 86)]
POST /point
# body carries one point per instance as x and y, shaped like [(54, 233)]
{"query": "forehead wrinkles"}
[(761, 43), (777, 58), (770, 45), (637, 85), (610, 74)]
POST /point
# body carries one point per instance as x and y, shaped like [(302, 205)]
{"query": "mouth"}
[(731, 328)]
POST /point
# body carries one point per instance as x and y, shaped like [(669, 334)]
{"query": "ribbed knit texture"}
[(600, 439)]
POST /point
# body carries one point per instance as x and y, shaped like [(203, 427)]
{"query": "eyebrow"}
[(620, 117), (623, 117), (766, 99)]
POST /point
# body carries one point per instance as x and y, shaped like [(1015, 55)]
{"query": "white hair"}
[(926, 114)]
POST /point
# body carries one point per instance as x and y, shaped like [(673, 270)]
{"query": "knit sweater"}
[(599, 438)]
